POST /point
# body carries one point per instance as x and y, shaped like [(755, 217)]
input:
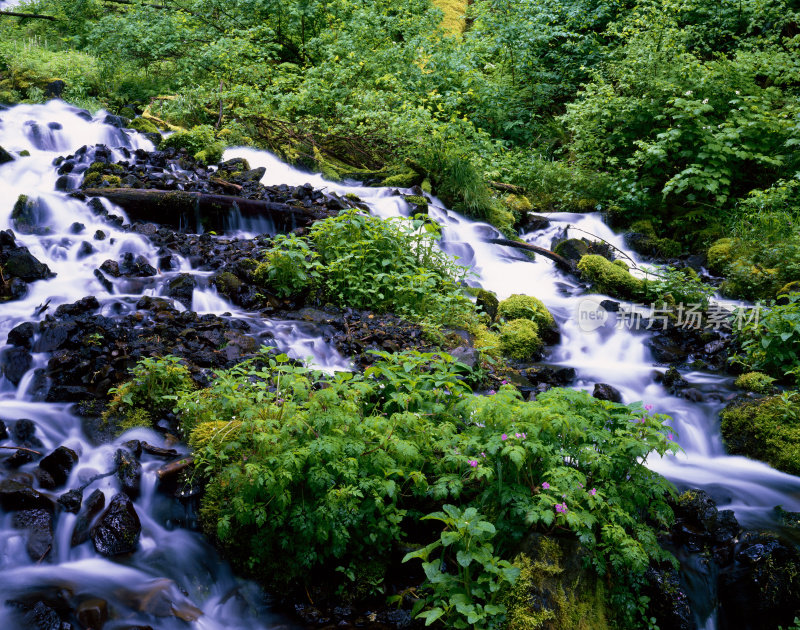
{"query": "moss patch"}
[(526, 307), (453, 22), (519, 339), (755, 382), (764, 430), (608, 278), (554, 591)]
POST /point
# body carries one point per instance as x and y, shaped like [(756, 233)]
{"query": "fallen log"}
[(195, 211), (36, 16), (562, 262), (509, 188), (174, 467)]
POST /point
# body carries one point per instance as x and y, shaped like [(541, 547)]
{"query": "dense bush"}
[(305, 478)]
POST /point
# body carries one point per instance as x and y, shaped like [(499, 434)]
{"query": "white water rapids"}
[(180, 565)]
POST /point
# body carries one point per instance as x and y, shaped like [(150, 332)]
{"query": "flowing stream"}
[(175, 574)]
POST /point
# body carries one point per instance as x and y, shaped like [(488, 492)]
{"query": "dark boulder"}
[(54, 89), (5, 156), (18, 262), (93, 505), (59, 464), (22, 335), (42, 617), (129, 472), (136, 266), (15, 495), (92, 613), (30, 215), (71, 501), (603, 391), (572, 249), (669, 603), (118, 529), (39, 525), (84, 305), (181, 288), (14, 363)]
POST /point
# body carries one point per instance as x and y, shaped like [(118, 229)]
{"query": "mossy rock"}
[(486, 342), (572, 249), (487, 302), (29, 216), (407, 179), (608, 278), (621, 264), (502, 219), (556, 589), (757, 382), (419, 204), (97, 180), (749, 281), (526, 307), (790, 287), (227, 283), (518, 204), (199, 142), (720, 254), (134, 419), (520, 340), (764, 430), (143, 125)]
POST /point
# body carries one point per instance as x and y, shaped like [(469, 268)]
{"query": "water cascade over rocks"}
[(87, 534)]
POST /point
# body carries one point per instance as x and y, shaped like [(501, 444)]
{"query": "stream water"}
[(175, 573)]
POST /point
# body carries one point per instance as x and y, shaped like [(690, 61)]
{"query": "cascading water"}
[(174, 575)]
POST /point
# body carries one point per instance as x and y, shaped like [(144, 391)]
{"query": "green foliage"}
[(290, 266), (519, 339), (471, 597), (143, 124), (520, 306), (199, 142), (683, 285), (151, 391), (771, 343), (755, 382), (304, 478), (606, 277), (766, 429), (393, 264)]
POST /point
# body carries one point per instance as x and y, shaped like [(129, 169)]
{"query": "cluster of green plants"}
[(366, 262), (326, 474)]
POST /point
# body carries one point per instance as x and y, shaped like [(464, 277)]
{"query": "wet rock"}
[(81, 307), (118, 529), (14, 363), (22, 335), (669, 603), (42, 617), (3, 431), (92, 613), (71, 501), (18, 263), (181, 288), (99, 235), (533, 223), (692, 394), (136, 266), (5, 156), (761, 589), (15, 495), (39, 526), (59, 464), (24, 433), (29, 215), (604, 391), (467, 356), (54, 89), (487, 302), (673, 380), (129, 473), (77, 228), (572, 249), (93, 505), (85, 250)]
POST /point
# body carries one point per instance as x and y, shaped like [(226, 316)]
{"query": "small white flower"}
[(689, 93), (738, 92), (705, 101)]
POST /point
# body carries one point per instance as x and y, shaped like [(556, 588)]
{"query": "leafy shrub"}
[(519, 339), (151, 392), (683, 285), (520, 306), (199, 142), (755, 382), (606, 277), (392, 264), (290, 266), (772, 344), (317, 478), (470, 598)]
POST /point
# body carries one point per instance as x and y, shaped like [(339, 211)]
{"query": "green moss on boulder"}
[(720, 254), (519, 339), (526, 307), (143, 125), (764, 430), (755, 382), (199, 142), (608, 278)]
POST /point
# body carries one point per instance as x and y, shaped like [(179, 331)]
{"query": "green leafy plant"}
[(684, 285), (771, 344), (290, 266), (469, 598)]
